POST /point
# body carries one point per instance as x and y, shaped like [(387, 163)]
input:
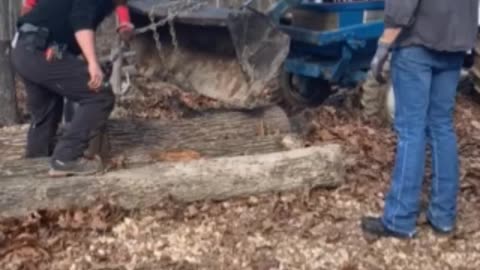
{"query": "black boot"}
[(79, 167), (374, 226)]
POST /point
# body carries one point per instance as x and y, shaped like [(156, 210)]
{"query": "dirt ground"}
[(304, 229), (317, 229)]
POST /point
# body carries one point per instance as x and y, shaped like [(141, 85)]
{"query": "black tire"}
[(304, 91)]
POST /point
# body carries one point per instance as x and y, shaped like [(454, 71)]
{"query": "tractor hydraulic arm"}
[(276, 11), (279, 8)]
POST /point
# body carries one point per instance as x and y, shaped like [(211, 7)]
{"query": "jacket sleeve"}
[(27, 6), (400, 13), (123, 15), (82, 16), (30, 3)]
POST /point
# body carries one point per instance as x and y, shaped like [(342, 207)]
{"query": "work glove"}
[(125, 31), (378, 61)]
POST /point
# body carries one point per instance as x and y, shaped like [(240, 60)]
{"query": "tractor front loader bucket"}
[(260, 46), (219, 49)]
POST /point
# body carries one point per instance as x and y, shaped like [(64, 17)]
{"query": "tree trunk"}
[(142, 155), (216, 156), (211, 134), (8, 106), (216, 178)]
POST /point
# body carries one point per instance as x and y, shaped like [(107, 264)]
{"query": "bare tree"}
[(8, 106)]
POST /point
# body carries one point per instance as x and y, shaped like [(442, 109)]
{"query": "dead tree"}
[(8, 105)]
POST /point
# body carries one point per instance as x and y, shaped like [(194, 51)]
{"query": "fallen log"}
[(216, 179), (144, 154), (203, 134)]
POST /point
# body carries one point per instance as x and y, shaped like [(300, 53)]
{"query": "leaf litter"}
[(314, 229)]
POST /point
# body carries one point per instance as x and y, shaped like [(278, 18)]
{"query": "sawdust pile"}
[(308, 229)]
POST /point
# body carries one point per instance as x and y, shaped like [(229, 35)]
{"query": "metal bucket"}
[(218, 50)]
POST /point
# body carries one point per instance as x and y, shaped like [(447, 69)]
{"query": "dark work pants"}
[(47, 84)]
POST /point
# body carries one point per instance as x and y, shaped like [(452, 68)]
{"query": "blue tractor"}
[(309, 47), (336, 55)]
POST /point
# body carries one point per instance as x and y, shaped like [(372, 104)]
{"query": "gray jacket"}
[(442, 25)]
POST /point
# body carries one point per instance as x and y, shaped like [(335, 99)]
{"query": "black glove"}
[(378, 62)]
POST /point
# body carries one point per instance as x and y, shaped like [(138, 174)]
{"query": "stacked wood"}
[(211, 134), (216, 156), (216, 178)]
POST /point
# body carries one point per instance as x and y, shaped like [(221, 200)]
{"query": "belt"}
[(37, 38), (34, 36), (30, 28)]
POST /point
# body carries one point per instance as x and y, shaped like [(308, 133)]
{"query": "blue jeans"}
[(425, 84)]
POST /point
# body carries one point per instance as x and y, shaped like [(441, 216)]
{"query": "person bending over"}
[(54, 54)]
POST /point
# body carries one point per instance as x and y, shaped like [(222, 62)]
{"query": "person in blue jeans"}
[(428, 40)]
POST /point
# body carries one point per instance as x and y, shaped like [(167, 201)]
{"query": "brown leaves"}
[(264, 261), (32, 240), (372, 146), (172, 156), (21, 241), (270, 231), (118, 162), (468, 133), (160, 100), (98, 218)]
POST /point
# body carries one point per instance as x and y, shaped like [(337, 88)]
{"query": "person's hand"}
[(125, 31), (96, 76), (378, 61)]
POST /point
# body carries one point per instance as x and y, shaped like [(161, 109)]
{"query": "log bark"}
[(210, 134), (143, 155), (8, 106), (216, 179)]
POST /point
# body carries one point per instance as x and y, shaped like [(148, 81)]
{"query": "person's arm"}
[(86, 41), (399, 14), (390, 35), (83, 23)]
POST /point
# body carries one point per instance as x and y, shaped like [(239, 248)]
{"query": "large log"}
[(216, 179), (143, 155), (211, 134)]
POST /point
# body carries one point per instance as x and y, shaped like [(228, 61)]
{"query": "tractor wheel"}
[(304, 91)]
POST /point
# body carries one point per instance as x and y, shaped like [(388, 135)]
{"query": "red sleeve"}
[(28, 6), (30, 3), (123, 15)]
